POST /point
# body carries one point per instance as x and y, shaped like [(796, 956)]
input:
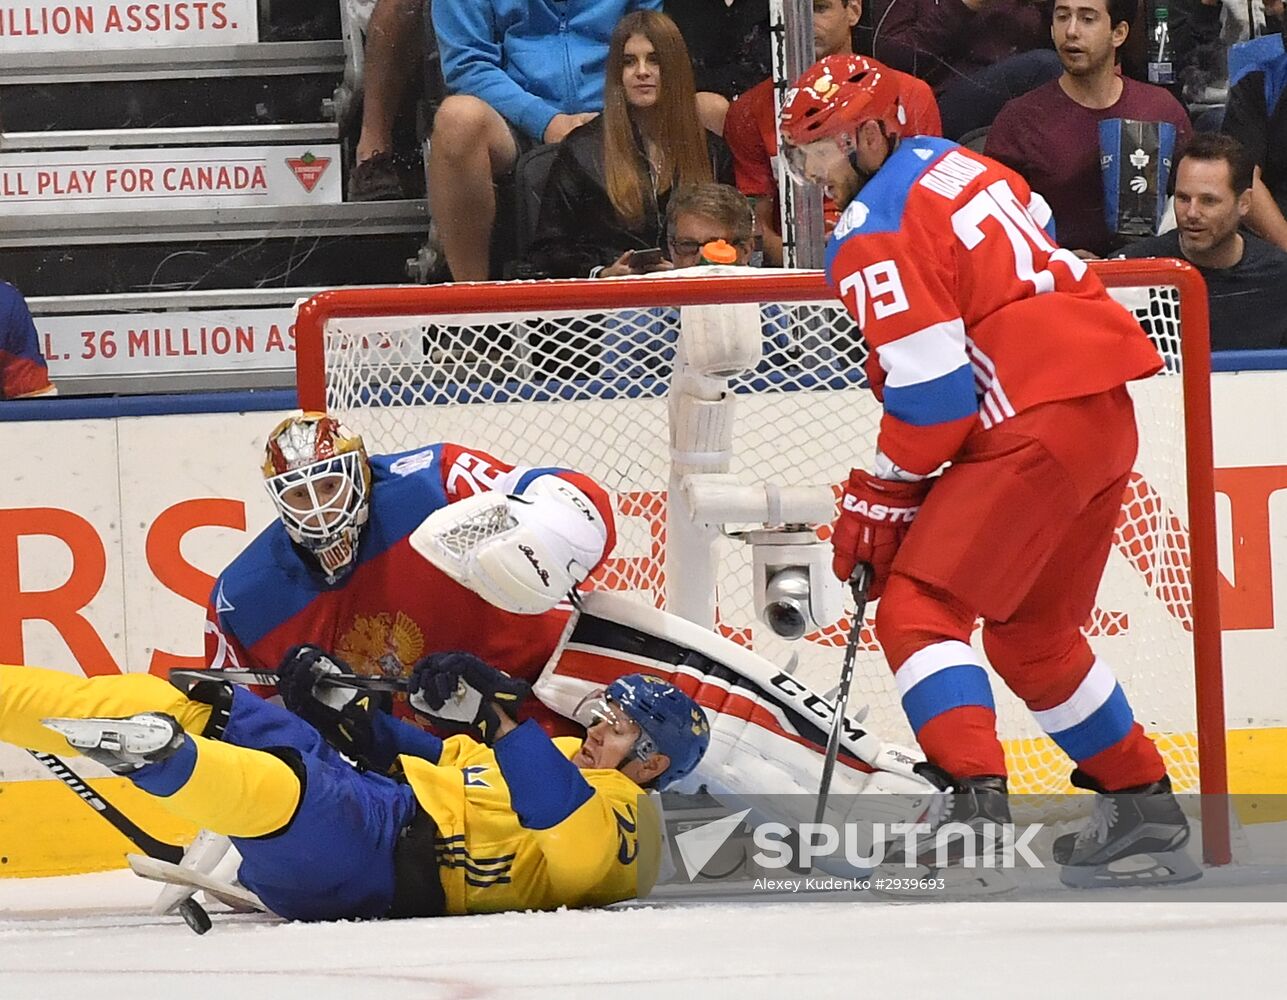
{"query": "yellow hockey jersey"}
[(572, 853)]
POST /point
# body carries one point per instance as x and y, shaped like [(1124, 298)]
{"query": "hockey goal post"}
[(579, 374)]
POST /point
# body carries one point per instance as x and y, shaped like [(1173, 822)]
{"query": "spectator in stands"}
[(977, 54), (636, 344), (751, 128), (609, 184), (394, 37), (1051, 135), (1202, 32), (708, 213), (1246, 277), (728, 41), (23, 372), (1257, 117), (519, 72), (699, 215)]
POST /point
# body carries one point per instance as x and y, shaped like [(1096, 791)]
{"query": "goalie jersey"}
[(971, 312), (394, 607)]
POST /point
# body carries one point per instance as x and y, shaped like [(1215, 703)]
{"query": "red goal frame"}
[(800, 286)]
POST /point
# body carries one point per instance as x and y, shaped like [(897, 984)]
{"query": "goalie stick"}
[(185, 679), (143, 840), (858, 583)]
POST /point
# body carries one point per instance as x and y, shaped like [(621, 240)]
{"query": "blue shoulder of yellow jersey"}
[(269, 582), (878, 207)]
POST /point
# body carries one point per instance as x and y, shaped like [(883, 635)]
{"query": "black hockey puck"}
[(194, 915)]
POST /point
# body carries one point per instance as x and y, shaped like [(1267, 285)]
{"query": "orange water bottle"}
[(718, 252)]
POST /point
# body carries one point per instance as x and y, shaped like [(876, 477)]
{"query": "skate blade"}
[(1165, 868), (129, 736)]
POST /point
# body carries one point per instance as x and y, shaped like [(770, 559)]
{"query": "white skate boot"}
[(122, 745)]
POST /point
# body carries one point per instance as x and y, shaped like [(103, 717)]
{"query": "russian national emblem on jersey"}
[(385, 644)]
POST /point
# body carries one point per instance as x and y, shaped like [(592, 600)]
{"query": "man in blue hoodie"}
[(519, 73)]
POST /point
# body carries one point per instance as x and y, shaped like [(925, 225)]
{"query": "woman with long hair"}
[(609, 184)]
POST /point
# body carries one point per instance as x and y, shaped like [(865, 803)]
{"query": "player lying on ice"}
[(522, 821), (339, 568), (995, 351)]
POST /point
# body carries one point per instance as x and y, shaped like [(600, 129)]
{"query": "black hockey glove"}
[(341, 714), (459, 692)]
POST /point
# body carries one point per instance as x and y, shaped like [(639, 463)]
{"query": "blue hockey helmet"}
[(672, 722)]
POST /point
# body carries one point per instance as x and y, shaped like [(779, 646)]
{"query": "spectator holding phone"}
[(605, 199)]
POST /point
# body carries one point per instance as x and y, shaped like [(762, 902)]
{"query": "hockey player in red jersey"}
[(344, 567), (996, 351)]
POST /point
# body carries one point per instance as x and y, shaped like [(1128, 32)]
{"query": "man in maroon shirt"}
[(1051, 135), (977, 54)]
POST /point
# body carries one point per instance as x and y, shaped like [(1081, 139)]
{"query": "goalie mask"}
[(320, 482), (670, 722)]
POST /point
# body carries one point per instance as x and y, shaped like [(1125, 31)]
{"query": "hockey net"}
[(576, 374)]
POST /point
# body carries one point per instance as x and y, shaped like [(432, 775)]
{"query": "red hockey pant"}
[(1017, 532)]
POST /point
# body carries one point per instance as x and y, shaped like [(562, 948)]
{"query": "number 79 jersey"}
[(970, 311)]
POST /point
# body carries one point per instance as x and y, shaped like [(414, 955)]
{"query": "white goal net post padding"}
[(578, 373)]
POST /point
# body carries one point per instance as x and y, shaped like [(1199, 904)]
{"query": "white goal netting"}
[(577, 375)]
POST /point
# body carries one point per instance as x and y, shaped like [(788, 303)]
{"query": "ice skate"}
[(981, 804), (122, 745), (1134, 837)]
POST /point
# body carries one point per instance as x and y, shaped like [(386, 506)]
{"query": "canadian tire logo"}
[(308, 169)]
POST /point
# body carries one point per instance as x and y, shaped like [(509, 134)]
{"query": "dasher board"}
[(166, 180), (91, 25), (216, 340)]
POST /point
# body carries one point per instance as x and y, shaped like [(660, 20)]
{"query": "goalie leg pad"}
[(768, 731)]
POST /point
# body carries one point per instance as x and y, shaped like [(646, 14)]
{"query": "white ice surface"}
[(89, 938)]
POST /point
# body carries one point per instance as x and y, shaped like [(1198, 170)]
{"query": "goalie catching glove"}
[(459, 692), (875, 516), (343, 715), (521, 553)]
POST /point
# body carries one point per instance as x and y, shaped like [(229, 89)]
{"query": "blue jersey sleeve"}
[(392, 737), (545, 787)]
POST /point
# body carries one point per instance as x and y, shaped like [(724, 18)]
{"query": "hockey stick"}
[(185, 679), (143, 840), (858, 584)]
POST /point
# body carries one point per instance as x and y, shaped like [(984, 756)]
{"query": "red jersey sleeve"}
[(901, 290), (223, 649)]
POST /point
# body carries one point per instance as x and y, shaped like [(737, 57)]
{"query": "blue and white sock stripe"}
[(1093, 718), (941, 677)]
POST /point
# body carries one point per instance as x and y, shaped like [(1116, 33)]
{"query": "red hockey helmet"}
[(837, 95)]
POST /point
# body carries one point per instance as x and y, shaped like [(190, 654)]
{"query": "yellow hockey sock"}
[(236, 791)]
